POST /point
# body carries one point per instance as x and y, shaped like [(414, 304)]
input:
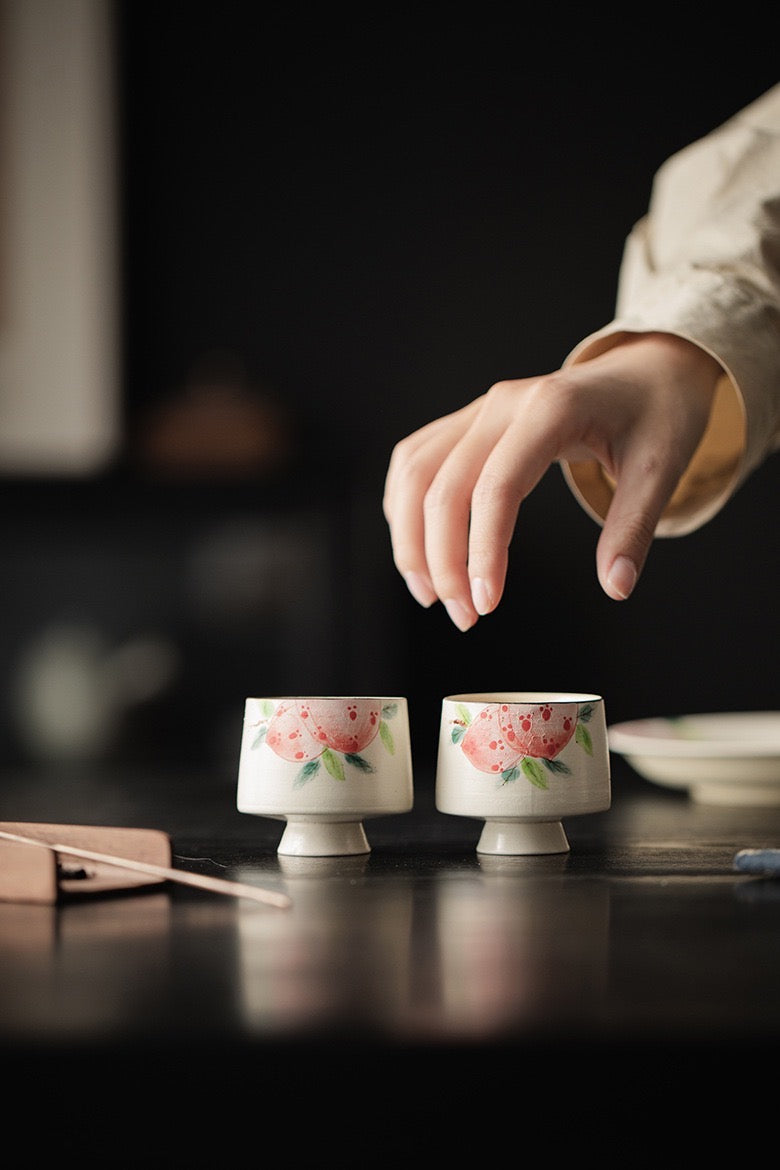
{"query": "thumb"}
[(619, 575), (626, 538)]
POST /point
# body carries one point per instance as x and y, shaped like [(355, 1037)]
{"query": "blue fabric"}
[(759, 861)]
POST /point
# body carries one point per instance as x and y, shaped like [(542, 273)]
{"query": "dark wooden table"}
[(417, 983)]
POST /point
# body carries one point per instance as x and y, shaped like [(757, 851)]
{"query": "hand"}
[(454, 488)]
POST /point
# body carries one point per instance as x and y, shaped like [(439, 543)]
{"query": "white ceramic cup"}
[(522, 761), (323, 764)]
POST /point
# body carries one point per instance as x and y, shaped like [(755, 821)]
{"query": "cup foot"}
[(523, 837), (312, 838)]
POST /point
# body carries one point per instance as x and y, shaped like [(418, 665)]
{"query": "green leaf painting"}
[(334, 762), (307, 773), (359, 763), (386, 735), (533, 770), (582, 736)]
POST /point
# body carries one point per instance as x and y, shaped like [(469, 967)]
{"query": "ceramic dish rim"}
[(632, 737)]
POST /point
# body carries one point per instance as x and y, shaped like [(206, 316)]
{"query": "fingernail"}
[(483, 602), (420, 589), (459, 615), (621, 578)]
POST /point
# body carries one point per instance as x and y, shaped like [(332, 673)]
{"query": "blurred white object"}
[(72, 689), (59, 382)]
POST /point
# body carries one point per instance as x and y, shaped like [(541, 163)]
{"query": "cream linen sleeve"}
[(704, 263)]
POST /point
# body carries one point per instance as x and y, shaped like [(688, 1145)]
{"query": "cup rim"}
[(325, 698), (524, 697)]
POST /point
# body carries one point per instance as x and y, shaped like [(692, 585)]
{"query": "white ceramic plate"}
[(728, 758)]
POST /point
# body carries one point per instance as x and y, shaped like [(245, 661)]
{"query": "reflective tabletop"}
[(641, 946)]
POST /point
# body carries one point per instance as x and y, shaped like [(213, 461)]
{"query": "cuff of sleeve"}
[(711, 477)]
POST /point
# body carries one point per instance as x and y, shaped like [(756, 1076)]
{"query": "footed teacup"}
[(522, 761), (323, 764)]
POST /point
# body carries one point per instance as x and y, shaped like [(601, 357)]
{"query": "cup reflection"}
[(339, 958), (511, 948)]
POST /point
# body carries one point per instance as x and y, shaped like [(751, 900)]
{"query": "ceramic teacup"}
[(323, 764), (522, 761)]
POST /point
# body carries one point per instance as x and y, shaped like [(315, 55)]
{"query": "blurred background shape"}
[(60, 310)]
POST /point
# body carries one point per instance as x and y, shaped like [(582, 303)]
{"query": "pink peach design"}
[(314, 731), (289, 736), (506, 739), (541, 730), (346, 729), (489, 742)]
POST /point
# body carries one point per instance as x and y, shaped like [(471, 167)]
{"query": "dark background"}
[(364, 221)]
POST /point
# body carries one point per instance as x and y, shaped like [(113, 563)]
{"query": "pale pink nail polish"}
[(483, 603), (459, 615), (621, 578), (420, 589)]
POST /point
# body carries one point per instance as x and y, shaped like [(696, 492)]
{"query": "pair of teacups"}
[(520, 760)]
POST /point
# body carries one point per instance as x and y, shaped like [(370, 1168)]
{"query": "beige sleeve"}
[(704, 264)]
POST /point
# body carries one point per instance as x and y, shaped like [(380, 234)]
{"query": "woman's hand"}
[(454, 488)]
